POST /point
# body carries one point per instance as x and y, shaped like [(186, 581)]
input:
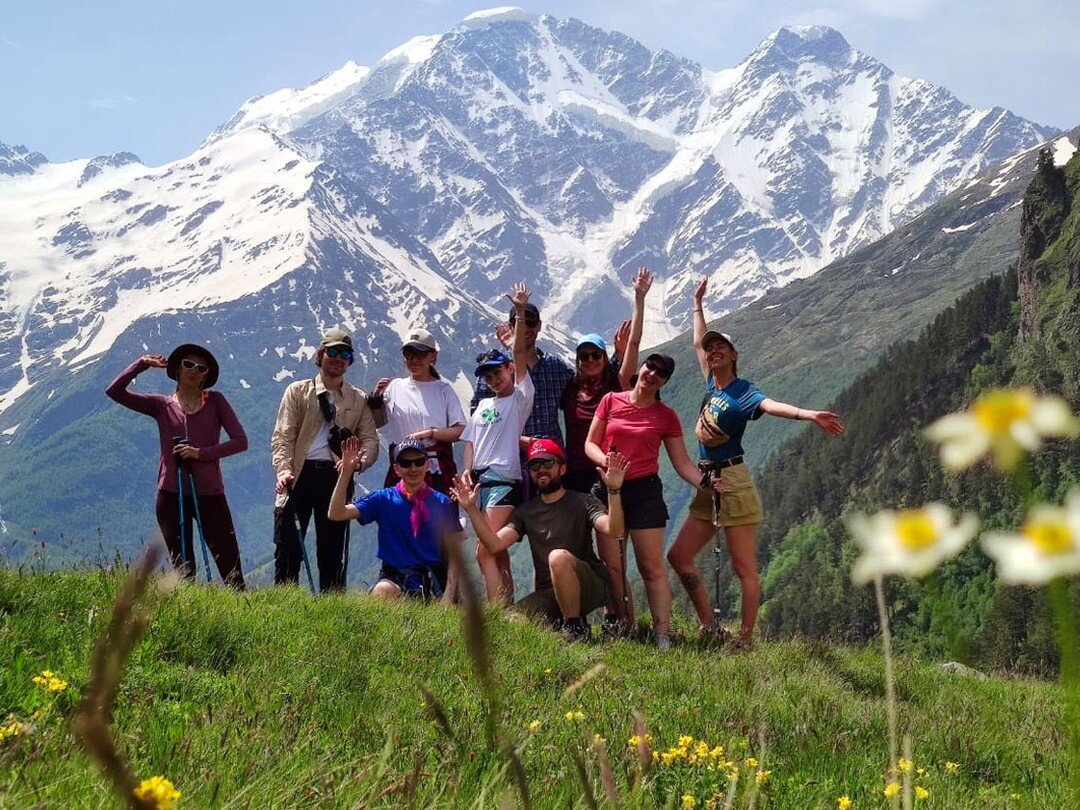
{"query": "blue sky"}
[(155, 78)]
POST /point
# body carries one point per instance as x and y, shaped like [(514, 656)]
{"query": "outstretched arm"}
[(351, 461), (642, 281), (521, 355), (466, 493), (826, 420), (700, 328), (613, 522)]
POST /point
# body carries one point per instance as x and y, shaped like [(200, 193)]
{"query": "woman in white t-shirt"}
[(422, 407), (492, 444)]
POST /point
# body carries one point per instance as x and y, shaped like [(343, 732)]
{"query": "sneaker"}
[(714, 634), (576, 630), (663, 642)]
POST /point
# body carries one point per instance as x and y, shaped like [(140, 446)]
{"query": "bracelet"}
[(614, 491), (699, 310)]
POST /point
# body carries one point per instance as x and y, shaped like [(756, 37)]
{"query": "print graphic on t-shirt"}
[(489, 416)]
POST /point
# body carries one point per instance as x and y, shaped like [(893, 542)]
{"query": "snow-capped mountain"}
[(417, 190)]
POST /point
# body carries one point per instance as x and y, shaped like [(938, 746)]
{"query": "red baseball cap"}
[(546, 447)]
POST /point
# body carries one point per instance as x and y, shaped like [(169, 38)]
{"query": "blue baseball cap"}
[(409, 446), (492, 359), (595, 340)]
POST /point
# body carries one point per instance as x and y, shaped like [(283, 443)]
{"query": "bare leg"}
[(385, 589), (564, 580), (694, 535), (608, 549), (495, 568), (649, 551), (742, 545)]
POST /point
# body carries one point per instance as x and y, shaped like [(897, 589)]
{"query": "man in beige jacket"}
[(314, 418)]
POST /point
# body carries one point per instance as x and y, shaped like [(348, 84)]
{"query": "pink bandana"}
[(419, 513)]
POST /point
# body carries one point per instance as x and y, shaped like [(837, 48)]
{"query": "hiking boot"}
[(737, 645), (714, 634), (612, 628), (575, 630), (663, 642)]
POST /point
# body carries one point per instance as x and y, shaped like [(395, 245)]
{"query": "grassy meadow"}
[(277, 699)]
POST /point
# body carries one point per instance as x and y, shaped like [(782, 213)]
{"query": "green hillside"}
[(1022, 328), (275, 699)]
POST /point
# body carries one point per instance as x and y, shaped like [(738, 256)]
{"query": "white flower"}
[(1047, 547), (912, 542), (1007, 422)]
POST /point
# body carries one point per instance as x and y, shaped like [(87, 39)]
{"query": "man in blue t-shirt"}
[(414, 523)]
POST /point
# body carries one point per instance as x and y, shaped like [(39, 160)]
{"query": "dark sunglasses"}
[(414, 353), (418, 461), (191, 365), (655, 369), (337, 351), (491, 354), (596, 355), (542, 464)]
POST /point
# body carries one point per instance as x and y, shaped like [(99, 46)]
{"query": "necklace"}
[(188, 406)]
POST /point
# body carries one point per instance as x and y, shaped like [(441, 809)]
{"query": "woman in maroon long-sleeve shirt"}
[(198, 416)]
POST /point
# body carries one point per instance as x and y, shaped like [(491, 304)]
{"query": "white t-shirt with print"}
[(495, 428)]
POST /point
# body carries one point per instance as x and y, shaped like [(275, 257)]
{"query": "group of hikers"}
[(576, 498)]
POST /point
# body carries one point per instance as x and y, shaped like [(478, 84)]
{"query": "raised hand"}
[(504, 332), (155, 360), (520, 296), (352, 455), (699, 293), (616, 470), (465, 492), (829, 422), (642, 281), (621, 339), (380, 387)]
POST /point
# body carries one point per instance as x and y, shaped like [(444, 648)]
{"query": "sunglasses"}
[(405, 463), (337, 351), (414, 354), (531, 323), (585, 356), (542, 464), (655, 369), (488, 356), (191, 365)]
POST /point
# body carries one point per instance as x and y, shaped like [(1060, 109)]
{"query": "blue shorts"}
[(497, 491)]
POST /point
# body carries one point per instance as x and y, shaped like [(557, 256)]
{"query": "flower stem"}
[(1068, 633), (890, 688)]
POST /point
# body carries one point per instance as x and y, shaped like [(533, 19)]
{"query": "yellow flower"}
[(158, 792), (685, 741), (48, 681), (13, 728), (575, 716), (843, 803), (1047, 547), (920, 772), (548, 671), (751, 762), (1006, 422), (904, 765), (912, 542), (762, 777), (892, 789), (534, 726), (921, 793), (952, 767), (688, 802), (701, 749), (598, 740)]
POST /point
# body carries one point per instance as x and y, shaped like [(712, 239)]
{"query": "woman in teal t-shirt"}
[(730, 402)]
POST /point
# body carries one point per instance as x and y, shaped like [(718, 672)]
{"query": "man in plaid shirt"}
[(549, 374)]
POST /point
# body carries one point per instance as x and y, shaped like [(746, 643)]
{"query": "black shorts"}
[(642, 502), (422, 582)]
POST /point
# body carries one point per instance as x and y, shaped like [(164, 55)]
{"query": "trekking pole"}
[(199, 524), (717, 556), (300, 532), (625, 583), (180, 498), (345, 558)]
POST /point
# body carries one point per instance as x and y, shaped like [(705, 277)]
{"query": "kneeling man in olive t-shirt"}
[(570, 580)]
